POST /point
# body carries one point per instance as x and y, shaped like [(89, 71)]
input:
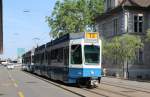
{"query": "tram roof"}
[(26, 54), (61, 39), (66, 37), (40, 47), (58, 40)]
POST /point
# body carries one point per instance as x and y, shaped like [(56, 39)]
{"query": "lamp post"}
[(126, 16), (36, 41)]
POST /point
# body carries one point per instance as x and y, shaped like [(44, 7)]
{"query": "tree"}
[(148, 35), (72, 16), (123, 49)]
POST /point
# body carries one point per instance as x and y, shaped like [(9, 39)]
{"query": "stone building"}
[(127, 16)]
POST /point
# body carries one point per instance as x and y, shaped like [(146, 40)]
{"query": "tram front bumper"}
[(94, 82), (84, 72)]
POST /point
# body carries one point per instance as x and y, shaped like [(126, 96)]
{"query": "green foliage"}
[(111, 47), (122, 48), (148, 35), (72, 16), (130, 45)]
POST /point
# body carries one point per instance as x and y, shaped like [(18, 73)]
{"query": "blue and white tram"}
[(72, 58), (26, 60), (85, 58)]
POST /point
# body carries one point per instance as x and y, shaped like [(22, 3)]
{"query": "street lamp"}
[(127, 31), (36, 41)]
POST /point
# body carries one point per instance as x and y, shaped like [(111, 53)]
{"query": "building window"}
[(116, 26), (108, 4), (139, 57), (138, 23), (104, 32)]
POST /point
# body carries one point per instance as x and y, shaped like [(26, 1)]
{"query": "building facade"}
[(127, 16)]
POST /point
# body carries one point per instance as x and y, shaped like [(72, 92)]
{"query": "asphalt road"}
[(16, 83)]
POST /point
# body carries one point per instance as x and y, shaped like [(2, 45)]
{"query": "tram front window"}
[(76, 55), (92, 54)]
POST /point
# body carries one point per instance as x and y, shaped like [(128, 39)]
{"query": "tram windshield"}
[(76, 54), (92, 54)]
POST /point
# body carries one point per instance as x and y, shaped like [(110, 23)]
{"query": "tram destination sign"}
[(91, 37)]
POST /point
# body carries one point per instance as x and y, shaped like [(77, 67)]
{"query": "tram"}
[(72, 58)]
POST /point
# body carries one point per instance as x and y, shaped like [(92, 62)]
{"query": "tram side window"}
[(54, 54), (49, 57), (35, 58), (46, 57), (32, 59), (38, 58), (76, 54), (57, 55), (60, 55), (66, 56), (42, 58)]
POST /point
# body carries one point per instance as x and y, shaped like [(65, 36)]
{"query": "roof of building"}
[(140, 3)]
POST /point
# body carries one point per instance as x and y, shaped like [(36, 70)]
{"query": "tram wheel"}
[(81, 83)]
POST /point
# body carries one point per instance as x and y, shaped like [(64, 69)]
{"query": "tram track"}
[(93, 91), (97, 90), (119, 83), (67, 89), (55, 84), (120, 86), (60, 86), (117, 93)]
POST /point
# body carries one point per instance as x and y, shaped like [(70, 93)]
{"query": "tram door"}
[(66, 62)]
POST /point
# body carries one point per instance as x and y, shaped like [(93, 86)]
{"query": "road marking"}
[(20, 94), (15, 84)]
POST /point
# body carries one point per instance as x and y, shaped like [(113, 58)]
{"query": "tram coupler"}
[(94, 82)]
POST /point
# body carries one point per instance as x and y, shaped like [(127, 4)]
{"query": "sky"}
[(24, 24)]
